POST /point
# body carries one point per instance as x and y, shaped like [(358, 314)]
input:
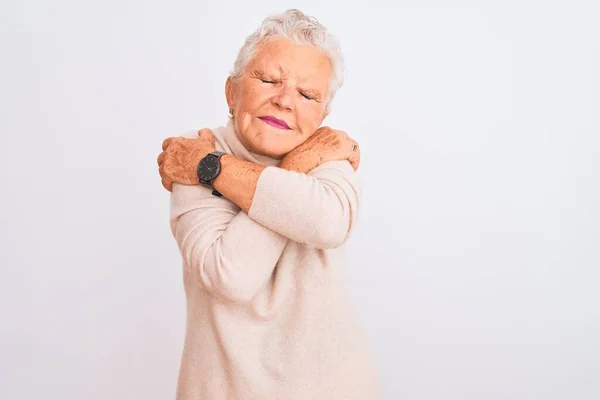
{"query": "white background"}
[(475, 264)]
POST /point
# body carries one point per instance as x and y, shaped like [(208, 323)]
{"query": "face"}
[(280, 99)]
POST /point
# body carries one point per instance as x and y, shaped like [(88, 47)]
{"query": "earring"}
[(231, 113)]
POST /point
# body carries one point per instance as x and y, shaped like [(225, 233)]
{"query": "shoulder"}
[(219, 133), (336, 170), (340, 166)]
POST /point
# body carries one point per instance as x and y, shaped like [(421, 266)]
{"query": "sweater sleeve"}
[(224, 250), (318, 209)]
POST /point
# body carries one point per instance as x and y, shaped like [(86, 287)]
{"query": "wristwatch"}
[(209, 168)]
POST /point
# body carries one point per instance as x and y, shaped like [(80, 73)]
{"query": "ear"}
[(230, 88)]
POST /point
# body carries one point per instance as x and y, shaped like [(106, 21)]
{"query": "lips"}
[(275, 122)]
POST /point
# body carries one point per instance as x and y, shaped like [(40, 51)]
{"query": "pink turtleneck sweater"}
[(268, 311)]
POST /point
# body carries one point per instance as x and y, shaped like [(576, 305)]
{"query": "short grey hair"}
[(302, 29)]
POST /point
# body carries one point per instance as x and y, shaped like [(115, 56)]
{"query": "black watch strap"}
[(217, 154)]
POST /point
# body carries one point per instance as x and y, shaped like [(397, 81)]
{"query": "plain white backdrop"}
[(475, 264)]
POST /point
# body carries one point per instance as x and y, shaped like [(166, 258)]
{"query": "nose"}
[(284, 99)]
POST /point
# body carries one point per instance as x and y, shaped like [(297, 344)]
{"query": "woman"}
[(260, 210)]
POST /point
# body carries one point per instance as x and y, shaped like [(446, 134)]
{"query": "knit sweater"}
[(269, 315)]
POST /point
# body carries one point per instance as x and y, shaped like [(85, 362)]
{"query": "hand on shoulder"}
[(180, 156), (326, 144)]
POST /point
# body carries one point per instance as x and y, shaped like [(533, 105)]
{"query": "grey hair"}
[(301, 29)]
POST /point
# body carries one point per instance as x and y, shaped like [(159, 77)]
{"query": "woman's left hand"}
[(179, 159), (326, 144)]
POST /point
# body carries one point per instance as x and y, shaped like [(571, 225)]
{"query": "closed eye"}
[(266, 80), (306, 96)]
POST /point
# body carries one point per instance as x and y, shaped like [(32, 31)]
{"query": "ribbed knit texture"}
[(268, 311)]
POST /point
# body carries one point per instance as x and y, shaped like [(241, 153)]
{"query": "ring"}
[(355, 147)]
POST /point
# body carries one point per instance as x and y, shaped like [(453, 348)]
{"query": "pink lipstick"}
[(277, 123)]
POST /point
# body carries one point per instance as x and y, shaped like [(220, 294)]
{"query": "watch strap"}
[(217, 154)]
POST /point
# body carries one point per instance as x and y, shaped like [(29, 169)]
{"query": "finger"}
[(354, 159), (206, 134), (166, 143), (160, 158), (164, 176), (167, 184), (203, 131)]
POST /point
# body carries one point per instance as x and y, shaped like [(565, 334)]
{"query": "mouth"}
[(274, 122)]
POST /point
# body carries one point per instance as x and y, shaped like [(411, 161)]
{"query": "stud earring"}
[(231, 113)]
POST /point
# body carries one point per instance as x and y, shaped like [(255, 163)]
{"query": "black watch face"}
[(209, 168)]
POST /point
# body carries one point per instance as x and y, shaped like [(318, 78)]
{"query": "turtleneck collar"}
[(229, 140)]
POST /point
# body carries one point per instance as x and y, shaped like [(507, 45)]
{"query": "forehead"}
[(302, 62)]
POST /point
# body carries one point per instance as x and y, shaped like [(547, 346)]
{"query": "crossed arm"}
[(231, 245)]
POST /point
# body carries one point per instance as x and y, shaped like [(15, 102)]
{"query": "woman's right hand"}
[(326, 144)]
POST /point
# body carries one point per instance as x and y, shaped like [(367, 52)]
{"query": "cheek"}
[(244, 123), (251, 97), (309, 120)]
